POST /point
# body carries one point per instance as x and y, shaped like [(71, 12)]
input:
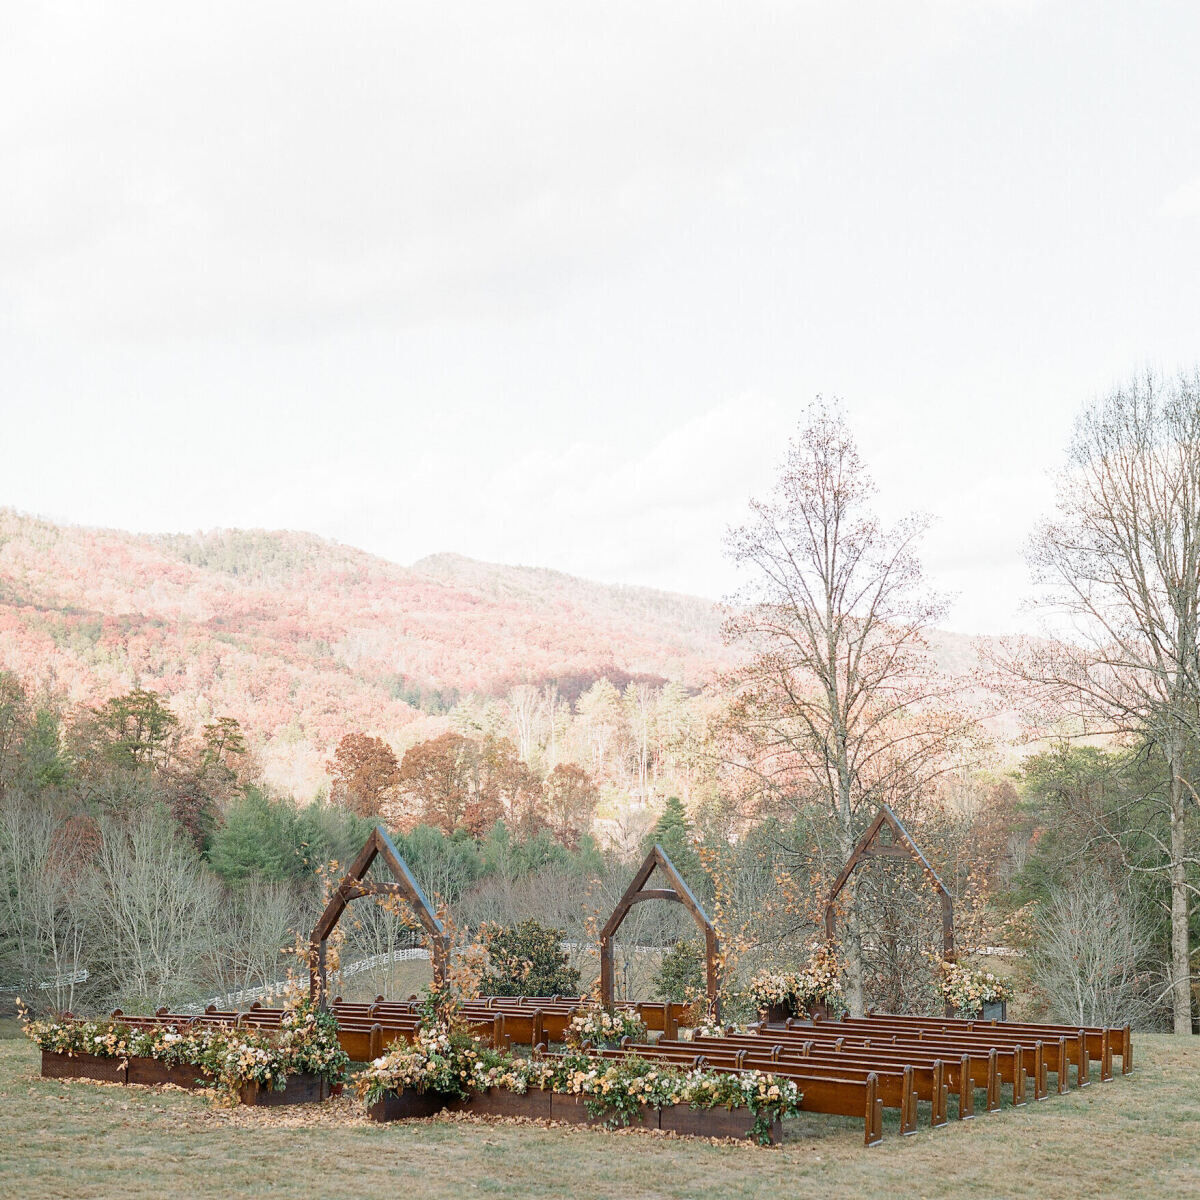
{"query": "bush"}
[(527, 960), (681, 975)]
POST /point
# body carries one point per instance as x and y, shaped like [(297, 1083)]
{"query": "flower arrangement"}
[(967, 990), (598, 1025), (306, 1041), (438, 1059), (613, 1089), (708, 1026), (817, 982)]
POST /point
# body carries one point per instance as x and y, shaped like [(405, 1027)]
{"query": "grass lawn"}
[(1136, 1137)]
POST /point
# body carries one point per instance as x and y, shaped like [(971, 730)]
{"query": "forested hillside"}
[(303, 639)]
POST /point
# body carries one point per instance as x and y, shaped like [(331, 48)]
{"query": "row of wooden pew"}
[(852, 1067)]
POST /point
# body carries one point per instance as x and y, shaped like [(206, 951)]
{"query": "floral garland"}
[(817, 982), (306, 1041), (967, 990), (597, 1024), (613, 1089)]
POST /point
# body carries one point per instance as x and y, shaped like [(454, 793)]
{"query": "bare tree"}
[(1093, 957), (42, 946), (838, 699), (152, 905), (1121, 563), (253, 927), (523, 702)]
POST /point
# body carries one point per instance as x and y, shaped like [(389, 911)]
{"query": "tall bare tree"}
[(839, 698), (1120, 566)]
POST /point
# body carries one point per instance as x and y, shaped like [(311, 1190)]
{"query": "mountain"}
[(303, 639)]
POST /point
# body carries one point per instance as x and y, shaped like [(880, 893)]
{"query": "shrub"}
[(681, 975), (527, 960)]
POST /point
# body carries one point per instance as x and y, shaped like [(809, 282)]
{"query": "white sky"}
[(550, 283)]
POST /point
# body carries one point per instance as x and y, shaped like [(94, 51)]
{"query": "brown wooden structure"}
[(681, 894), (353, 887), (872, 844)]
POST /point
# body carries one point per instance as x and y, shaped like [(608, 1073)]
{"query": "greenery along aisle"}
[(306, 1043), (448, 1063)]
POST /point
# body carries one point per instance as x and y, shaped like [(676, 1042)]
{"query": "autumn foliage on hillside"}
[(303, 640)]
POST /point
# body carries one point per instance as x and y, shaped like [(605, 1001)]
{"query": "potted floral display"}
[(974, 993), (813, 991)]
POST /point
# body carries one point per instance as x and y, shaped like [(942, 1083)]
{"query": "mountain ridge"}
[(303, 638)]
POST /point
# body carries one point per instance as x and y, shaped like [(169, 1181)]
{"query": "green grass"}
[(1136, 1137)]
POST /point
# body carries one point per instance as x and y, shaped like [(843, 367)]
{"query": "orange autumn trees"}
[(365, 774), (571, 798), (453, 782)]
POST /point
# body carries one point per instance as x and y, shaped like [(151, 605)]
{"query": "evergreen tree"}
[(681, 974), (673, 832)]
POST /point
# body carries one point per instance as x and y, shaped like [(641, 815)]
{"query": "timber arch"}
[(681, 894), (901, 845), (352, 887)]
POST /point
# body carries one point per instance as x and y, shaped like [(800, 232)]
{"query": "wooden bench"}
[(847, 1096), (1102, 1044)]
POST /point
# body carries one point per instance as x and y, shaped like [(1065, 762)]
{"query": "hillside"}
[(304, 639)]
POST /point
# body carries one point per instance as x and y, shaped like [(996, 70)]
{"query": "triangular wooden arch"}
[(352, 887), (869, 846), (679, 891)]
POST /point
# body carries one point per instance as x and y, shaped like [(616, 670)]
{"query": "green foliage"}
[(673, 832), (43, 764), (527, 960), (1072, 793), (444, 866), (509, 858), (681, 975), (256, 839), (136, 730), (273, 840)]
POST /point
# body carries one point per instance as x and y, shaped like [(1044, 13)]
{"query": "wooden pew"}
[(962, 1075), (901, 1085), (849, 1096), (1102, 1043), (1038, 1056)]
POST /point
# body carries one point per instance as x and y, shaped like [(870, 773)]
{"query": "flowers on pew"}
[(226, 1057), (104, 1039), (600, 1026), (707, 1027), (819, 981), (612, 1089), (308, 1040), (439, 1059), (968, 989)]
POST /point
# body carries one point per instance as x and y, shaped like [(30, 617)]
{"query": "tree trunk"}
[(1181, 965), (851, 950)]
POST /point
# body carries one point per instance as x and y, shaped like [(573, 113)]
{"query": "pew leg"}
[(873, 1116), (993, 1085), (966, 1093)]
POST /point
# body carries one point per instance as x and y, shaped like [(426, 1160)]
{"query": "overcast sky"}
[(551, 283)]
